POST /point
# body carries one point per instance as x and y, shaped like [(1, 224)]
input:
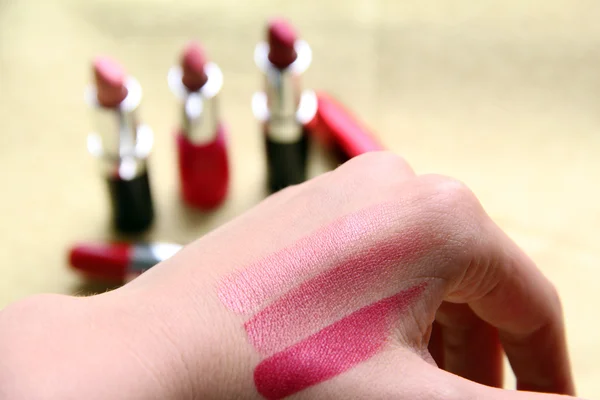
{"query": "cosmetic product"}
[(339, 130), (118, 261), (282, 59), (122, 143), (201, 137)]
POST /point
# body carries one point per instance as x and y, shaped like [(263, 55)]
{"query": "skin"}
[(166, 335)]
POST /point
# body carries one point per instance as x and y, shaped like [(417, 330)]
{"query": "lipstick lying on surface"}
[(201, 137), (282, 59), (122, 144), (336, 128), (118, 261)]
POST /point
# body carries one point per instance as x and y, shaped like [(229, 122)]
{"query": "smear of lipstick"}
[(246, 291), (332, 294), (334, 349), (315, 307)]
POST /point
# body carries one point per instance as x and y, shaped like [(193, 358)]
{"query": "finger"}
[(525, 307), (471, 346), (504, 288), (436, 344)]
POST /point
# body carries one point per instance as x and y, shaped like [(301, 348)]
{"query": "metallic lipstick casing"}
[(122, 144), (201, 140), (118, 261), (336, 128), (276, 108)]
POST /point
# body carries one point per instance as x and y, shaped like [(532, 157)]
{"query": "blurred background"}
[(502, 95)]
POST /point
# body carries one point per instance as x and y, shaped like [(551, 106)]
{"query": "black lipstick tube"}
[(122, 144), (278, 109)]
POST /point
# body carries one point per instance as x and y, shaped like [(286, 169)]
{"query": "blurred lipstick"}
[(282, 58), (201, 137), (121, 143), (118, 261), (335, 127)]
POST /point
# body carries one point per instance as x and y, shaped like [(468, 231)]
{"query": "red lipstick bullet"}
[(282, 59), (202, 137), (118, 262), (335, 127), (122, 144)]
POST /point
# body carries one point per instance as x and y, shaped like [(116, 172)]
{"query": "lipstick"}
[(122, 144), (118, 261), (282, 58), (201, 137), (336, 128)]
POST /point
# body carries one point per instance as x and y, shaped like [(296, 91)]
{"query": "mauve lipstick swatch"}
[(332, 294), (333, 350)]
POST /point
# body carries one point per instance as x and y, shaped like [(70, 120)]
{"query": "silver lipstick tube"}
[(200, 110), (283, 98), (119, 140), (146, 255)]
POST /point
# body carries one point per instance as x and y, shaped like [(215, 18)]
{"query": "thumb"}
[(403, 373), (466, 389), (474, 390)]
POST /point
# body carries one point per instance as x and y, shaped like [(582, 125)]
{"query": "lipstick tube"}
[(122, 144), (339, 130), (118, 261), (201, 137), (282, 60)]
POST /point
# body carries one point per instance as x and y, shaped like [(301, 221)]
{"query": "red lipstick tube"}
[(282, 59), (202, 137), (118, 262), (122, 144), (335, 127)]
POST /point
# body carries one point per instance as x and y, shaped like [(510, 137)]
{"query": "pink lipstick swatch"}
[(246, 291), (332, 294), (334, 349)]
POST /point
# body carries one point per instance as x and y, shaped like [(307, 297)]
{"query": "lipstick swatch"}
[(332, 294), (315, 308), (332, 350), (246, 291)]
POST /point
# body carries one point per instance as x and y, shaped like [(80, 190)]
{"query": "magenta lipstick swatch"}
[(334, 349), (332, 294), (246, 291)]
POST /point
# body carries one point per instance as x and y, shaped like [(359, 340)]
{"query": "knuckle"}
[(452, 198), (376, 164), (453, 193), (451, 210), (554, 298)]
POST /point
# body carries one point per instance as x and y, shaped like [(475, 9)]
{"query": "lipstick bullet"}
[(122, 144), (118, 261), (339, 130), (201, 137), (282, 58)]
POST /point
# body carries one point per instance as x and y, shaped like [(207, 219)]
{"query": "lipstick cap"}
[(336, 127)]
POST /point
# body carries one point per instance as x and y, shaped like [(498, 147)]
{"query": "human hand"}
[(326, 290)]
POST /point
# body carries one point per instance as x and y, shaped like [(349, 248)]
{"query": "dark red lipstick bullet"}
[(202, 137), (122, 144)]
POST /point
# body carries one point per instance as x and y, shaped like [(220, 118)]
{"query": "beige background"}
[(504, 95)]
